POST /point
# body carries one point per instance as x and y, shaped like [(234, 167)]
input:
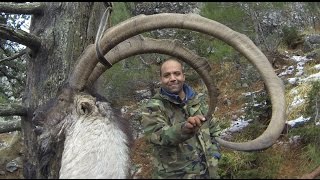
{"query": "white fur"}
[(94, 148)]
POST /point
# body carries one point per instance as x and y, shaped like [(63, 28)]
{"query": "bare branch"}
[(12, 109), (22, 8), (14, 56), (20, 36), (10, 126)]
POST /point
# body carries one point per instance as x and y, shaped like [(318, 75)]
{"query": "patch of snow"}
[(312, 77), (300, 66), (300, 58), (289, 70), (247, 93), (236, 126), (292, 80), (317, 67), (298, 121), (297, 101)]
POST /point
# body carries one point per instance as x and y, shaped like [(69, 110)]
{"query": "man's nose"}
[(172, 77)]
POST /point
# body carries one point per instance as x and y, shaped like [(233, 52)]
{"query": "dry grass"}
[(298, 93), (141, 157), (292, 161)]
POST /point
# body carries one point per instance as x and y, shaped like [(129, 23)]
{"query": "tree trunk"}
[(65, 29)]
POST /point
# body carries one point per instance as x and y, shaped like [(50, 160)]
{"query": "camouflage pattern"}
[(175, 154)]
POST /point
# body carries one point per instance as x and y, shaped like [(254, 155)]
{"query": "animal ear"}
[(85, 108)]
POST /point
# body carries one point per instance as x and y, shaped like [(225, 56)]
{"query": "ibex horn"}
[(240, 42)]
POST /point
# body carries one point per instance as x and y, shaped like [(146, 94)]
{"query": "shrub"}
[(291, 36), (313, 100)]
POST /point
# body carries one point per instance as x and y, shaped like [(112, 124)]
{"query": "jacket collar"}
[(175, 98)]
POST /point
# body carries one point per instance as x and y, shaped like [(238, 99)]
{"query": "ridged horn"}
[(240, 42), (141, 45)]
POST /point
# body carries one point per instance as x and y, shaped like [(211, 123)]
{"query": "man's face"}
[(172, 77)]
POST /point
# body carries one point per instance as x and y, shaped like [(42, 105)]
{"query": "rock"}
[(12, 166)]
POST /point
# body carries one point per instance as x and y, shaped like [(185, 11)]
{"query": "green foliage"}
[(120, 13), (243, 165), (314, 10), (250, 74), (253, 130), (310, 135), (313, 100), (312, 154), (232, 162), (229, 14), (258, 107), (3, 99), (221, 51), (290, 36), (224, 123), (122, 82)]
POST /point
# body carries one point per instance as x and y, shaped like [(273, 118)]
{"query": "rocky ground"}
[(11, 154)]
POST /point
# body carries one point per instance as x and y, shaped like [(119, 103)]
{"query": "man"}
[(183, 140)]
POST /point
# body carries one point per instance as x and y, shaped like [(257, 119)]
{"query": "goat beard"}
[(95, 147)]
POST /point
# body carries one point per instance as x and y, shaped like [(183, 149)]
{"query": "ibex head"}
[(83, 131), (90, 129)]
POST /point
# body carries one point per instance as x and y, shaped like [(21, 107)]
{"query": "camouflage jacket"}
[(175, 154)]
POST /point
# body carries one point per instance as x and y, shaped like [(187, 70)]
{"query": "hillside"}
[(293, 155), (243, 108)]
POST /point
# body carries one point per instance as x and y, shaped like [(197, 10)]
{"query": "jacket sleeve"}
[(157, 128), (214, 127), (214, 130)]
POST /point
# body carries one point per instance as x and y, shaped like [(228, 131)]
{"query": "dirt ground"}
[(11, 155), (141, 156)]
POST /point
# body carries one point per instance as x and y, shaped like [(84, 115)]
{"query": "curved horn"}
[(83, 68), (238, 41), (141, 45)]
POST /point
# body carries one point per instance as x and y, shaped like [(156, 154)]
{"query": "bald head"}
[(169, 62), (172, 77)]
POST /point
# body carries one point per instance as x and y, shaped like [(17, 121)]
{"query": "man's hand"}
[(193, 124)]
